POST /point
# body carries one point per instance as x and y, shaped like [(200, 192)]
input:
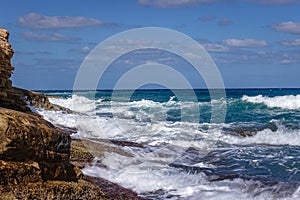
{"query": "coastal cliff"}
[(34, 154)]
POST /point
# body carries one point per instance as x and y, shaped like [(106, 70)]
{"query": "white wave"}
[(291, 102), (146, 173), (59, 118), (150, 176), (282, 136), (147, 123), (75, 103)]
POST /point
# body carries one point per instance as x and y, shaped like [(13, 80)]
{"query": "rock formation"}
[(8, 98), (34, 154)]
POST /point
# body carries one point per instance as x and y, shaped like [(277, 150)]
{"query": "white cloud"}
[(182, 3), (173, 3), (287, 61), (215, 48), (224, 22), (50, 37), (81, 50), (85, 49), (245, 43), (38, 21), (287, 27), (295, 42)]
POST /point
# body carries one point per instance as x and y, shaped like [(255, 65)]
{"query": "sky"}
[(254, 43)]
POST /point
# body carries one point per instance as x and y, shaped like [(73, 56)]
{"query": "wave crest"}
[(290, 102)]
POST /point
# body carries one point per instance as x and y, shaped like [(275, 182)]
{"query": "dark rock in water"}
[(247, 131), (119, 192), (127, 143)]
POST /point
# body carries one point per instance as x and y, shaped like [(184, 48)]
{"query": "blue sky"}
[(255, 43)]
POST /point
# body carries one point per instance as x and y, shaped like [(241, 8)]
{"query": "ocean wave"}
[(157, 181), (290, 102), (282, 136), (145, 121)]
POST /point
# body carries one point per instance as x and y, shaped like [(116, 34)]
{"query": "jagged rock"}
[(8, 98), (27, 137), (37, 100), (34, 154)]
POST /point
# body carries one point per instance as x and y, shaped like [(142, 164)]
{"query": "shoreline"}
[(35, 154), (80, 156)]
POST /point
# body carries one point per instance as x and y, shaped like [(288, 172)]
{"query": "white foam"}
[(144, 177), (282, 136), (147, 172), (59, 118), (75, 103), (291, 102)]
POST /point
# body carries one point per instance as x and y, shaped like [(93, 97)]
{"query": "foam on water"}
[(290, 102), (75, 103), (162, 182), (144, 121), (280, 137), (140, 126)]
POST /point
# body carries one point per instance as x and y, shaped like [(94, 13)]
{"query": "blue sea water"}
[(251, 150)]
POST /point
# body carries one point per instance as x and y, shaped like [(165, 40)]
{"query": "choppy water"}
[(253, 153)]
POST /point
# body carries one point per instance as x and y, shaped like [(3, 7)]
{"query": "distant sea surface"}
[(253, 152)]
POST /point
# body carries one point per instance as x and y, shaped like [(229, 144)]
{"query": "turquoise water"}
[(251, 153)]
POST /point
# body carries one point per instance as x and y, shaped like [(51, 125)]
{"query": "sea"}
[(184, 144)]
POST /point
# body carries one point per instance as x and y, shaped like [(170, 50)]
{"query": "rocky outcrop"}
[(37, 100), (29, 138), (34, 154), (8, 98), (35, 163), (12, 97), (6, 69)]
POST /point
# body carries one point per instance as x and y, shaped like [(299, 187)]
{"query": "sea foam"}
[(291, 102)]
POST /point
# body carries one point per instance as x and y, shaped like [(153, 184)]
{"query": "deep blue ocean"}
[(244, 145)]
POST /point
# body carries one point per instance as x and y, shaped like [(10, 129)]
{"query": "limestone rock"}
[(6, 54), (37, 100), (28, 137), (14, 173), (54, 190), (34, 154), (8, 98)]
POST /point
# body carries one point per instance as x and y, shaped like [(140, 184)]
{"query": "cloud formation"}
[(295, 42), (39, 21), (182, 3), (287, 27), (245, 43), (173, 3), (220, 22), (84, 50), (224, 22), (215, 48), (48, 37)]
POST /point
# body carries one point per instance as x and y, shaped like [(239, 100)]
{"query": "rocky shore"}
[(37, 159)]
